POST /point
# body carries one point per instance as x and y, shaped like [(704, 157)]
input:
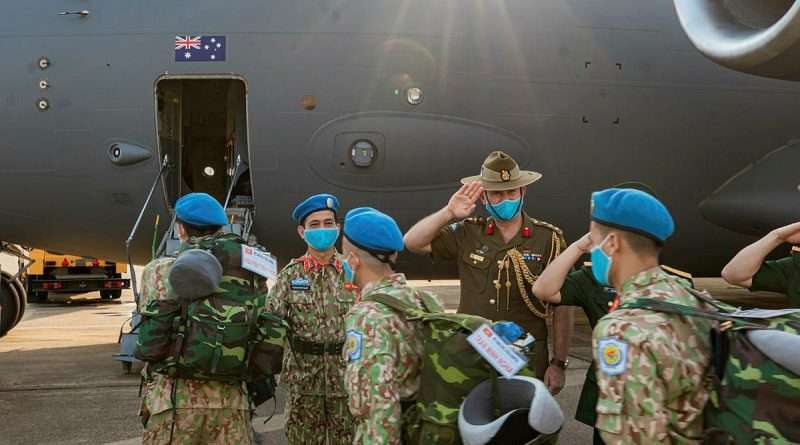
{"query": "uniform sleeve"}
[(445, 246), (577, 288), (632, 395), (371, 377), (774, 276), (276, 301)]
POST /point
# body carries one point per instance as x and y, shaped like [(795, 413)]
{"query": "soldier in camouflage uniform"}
[(205, 412), (312, 296), (559, 285), (652, 366), (383, 349), (748, 268)]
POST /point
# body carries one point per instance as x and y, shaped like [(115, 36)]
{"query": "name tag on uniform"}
[(300, 284), (609, 290), (476, 258), (496, 351), (260, 263)]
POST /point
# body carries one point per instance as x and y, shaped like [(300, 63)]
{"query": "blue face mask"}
[(601, 263), (506, 210), (348, 272), (321, 239)]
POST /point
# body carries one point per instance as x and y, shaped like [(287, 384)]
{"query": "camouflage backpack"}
[(754, 397), (226, 336), (451, 368)]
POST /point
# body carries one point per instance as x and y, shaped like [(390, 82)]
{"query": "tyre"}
[(9, 307)]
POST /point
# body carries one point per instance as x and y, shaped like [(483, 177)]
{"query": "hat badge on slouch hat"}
[(501, 172)]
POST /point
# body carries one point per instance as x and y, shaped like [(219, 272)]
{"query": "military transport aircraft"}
[(388, 103)]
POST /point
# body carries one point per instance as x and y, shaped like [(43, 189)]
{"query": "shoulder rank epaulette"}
[(677, 272), (479, 220), (795, 248), (548, 225)]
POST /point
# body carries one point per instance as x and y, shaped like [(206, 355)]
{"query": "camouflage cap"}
[(501, 172)]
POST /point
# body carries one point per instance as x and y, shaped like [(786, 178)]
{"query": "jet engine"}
[(760, 37)]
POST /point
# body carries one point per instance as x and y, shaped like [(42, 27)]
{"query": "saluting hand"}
[(789, 234), (584, 244), (462, 203)]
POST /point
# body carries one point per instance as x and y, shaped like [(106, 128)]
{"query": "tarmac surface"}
[(58, 384)]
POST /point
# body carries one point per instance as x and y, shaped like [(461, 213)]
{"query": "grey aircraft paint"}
[(588, 93)]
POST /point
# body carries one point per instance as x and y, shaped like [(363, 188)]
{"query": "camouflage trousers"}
[(309, 419), (200, 426)]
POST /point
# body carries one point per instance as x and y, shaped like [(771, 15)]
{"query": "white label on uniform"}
[(763, 313), (496, 351), (259, 262)]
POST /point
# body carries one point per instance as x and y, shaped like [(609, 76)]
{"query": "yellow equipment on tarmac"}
[(55, 272)]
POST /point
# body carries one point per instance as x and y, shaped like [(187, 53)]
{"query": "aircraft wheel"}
[(109, 294), (9, 307), (22, 296)]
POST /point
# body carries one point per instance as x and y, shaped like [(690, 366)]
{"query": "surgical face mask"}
[(349, 274), (601, 263), (321, 239), (506, 210)]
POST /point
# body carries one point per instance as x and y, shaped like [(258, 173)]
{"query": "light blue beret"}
[(315, 204), (632, 210), (200, 210), (373, 231)]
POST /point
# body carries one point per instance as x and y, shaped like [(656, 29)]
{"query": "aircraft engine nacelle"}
[(760, 37)]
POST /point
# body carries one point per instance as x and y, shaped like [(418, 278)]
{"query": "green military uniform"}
[(206, 411), (581, 289), (384, 352), (782, 276), (652, 366), (496, 277), (314, 299)]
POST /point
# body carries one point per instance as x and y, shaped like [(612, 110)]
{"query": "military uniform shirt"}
[(652, 366), (477, 246), (384, 353), (314, 299), (782, 276), (581, 289)]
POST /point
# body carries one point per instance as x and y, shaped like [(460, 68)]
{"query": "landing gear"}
[(13, 297)]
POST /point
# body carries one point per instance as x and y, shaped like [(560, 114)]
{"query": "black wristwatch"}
[(560, 363)]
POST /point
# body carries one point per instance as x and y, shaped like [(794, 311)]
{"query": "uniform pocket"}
[(160, 319), (475, 270), (609, 413)]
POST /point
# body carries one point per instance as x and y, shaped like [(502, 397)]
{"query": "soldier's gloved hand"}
[(508, 331)]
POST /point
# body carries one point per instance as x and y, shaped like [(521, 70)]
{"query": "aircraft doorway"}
[(202, 126)]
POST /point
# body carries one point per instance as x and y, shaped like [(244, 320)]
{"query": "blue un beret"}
[(200, 210), (632, 210), (373, 231), (315, 204)]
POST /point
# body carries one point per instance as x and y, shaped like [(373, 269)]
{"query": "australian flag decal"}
[(199, 48)]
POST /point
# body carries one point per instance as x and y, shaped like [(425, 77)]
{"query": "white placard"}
[(763, 313), (259, 262), (496, 351)]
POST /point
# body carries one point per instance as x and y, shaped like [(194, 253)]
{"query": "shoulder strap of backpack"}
[(397, 305), (689, 311)]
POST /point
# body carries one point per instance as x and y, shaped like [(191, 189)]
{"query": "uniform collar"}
[(525, 232), (393, 280), (310, 263), (645, 278)]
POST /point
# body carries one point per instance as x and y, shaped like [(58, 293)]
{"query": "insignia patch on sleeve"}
[(612, 355), (354, 344), (300, 283)]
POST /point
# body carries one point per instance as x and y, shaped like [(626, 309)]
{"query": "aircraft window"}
[(363, 153), (208, 171)]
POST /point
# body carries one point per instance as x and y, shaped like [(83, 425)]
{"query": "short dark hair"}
[(642, 245), (196, 231)]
